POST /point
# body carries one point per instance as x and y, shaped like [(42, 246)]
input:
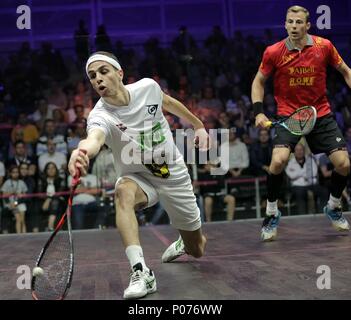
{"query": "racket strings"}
[(57, 264), (301, 122)]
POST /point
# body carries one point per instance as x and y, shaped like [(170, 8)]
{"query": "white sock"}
[(135, 255), (272, 208), (334, 202)]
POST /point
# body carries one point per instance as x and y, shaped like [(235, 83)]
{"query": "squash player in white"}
[(131, 115)]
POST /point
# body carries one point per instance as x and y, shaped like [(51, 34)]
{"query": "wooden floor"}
[(237, 265)]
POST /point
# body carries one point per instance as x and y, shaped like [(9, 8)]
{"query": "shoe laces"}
[(135, 276)]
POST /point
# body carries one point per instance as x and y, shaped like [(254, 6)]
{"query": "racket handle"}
[(268, 124), (78, 173)]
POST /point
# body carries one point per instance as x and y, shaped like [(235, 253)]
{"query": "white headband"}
[(102, 57)]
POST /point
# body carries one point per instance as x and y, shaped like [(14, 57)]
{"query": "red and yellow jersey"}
[(300, 75)]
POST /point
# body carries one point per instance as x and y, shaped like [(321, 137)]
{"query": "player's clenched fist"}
[(79, 160)]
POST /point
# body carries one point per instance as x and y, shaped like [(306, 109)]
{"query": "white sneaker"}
[(268, 234), (337, 219), (141, 283), (269, 227), (175, 250)]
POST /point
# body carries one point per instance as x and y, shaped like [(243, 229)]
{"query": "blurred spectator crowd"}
[(45, 99)]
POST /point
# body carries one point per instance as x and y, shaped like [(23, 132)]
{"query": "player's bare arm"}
[(92, 145), (177, 108), (257, 95), (346, 72)]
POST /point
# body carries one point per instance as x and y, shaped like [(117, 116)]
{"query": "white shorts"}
[(176, 197)]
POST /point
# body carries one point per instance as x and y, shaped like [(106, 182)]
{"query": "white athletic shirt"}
[(141, 122)]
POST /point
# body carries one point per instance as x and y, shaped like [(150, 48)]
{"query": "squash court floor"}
[(236, 266)]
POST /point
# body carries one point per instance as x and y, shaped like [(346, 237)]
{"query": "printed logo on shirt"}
[(151, 138), (152, 109), (287, 58), (302, 70), (302, 81), (158, 170), (338, 139)]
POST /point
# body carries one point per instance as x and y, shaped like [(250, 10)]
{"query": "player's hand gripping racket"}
[(52, 275), (300, 122)]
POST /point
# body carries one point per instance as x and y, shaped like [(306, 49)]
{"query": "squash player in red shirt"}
[(298, 65)]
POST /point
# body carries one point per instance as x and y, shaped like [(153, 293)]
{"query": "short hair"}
[(19, 142), (107, 54), (296, 9), (13, 167)]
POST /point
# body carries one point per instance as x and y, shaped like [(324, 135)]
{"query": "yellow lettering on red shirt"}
[(301, 70), (302, 81), (287, 58)]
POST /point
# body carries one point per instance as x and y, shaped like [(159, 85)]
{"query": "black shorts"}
[(325, 137)]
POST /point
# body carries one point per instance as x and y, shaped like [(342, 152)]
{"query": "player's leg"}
[(339, 178), (129, 196), (280, 157), (326, 137), (179, 201), (283, 143), (229, 200)]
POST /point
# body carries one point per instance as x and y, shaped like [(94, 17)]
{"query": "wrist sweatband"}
[(257, 108)]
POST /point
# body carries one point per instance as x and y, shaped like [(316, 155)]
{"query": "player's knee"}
[(125, 196), (278, 165), (343, 166)]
